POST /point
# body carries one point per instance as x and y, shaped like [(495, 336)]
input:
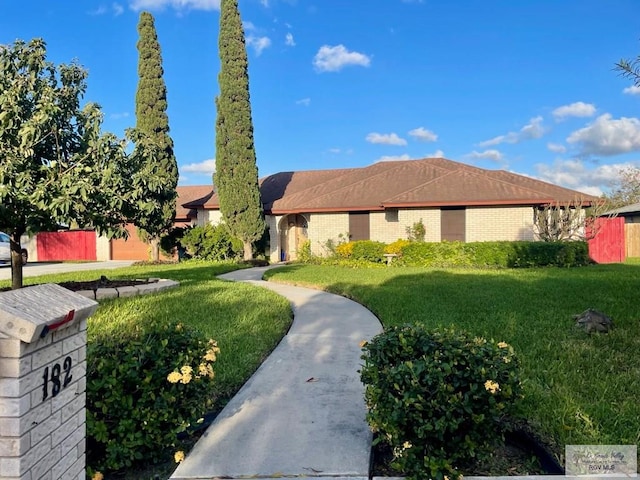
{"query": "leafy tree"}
[(627, 188), (159, 163), (57, 167), (236, 176)]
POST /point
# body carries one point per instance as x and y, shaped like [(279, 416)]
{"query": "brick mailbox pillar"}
[(43, 336)]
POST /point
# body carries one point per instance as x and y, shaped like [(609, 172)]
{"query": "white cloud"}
[(632, 90), (335, 150), (304, 102), (258, 43), (490, 154), (556, 147), (264, 3), (576, 175), (393, 158), (248, 26), (385, 138), (288, 40), (333, 59), (577, 109), (206, 167), (176, 4), (116, 8), (423, 134), (533, 129), (607, 136), (436, 154), (118, 116)]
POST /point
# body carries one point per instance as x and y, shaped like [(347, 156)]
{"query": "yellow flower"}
[(205, 370), (503, 344), (363, 343), (491, 386), (186, 378), (178, 456), (506, 359), (406, 445), (97, 476), (210, 356), (186, 370), (174, 377)]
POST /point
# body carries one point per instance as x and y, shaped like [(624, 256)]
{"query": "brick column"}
[(42, 383)]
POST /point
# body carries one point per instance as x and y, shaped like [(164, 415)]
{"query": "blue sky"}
[(527, 85)]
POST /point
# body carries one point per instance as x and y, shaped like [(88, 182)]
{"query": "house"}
[(378, 202)]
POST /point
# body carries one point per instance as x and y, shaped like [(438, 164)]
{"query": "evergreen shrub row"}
[(474, 254)]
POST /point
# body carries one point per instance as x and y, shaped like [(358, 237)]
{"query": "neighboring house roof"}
[(189, 199), (430, 182), (627, 209)]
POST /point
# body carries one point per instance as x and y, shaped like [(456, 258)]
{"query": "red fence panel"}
[(70, 245), (608, 244)]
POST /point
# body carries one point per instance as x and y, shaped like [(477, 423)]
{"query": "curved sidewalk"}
[(302, 413)]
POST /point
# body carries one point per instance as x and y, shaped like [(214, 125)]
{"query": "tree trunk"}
[(16, 260), (154, 243), (248, 250)]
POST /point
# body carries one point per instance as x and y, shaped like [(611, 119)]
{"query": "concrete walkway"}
[(302, 414)]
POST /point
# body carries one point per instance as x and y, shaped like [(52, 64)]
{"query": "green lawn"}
[(579, 389)]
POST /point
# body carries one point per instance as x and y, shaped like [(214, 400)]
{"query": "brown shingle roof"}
[(189, 199), (402, 184)]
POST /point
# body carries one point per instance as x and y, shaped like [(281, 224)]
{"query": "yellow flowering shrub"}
[(438, 397), (344, 250), (145, 386), (396, 247)]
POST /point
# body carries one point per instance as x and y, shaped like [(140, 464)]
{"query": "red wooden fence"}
[(608, 244), (70, 245)]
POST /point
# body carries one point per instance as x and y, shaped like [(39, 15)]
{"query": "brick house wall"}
[(499, 223)]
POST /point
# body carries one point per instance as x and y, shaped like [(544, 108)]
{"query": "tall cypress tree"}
[(236, 177), (158, 166)]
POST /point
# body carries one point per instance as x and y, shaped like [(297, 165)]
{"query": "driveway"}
[(44, 268)]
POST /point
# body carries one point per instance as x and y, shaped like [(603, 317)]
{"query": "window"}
[(452, 224), (359, 226)]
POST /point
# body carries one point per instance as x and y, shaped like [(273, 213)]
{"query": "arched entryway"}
[(293, 234)]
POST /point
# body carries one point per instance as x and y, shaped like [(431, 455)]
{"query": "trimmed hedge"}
[(495, 254)]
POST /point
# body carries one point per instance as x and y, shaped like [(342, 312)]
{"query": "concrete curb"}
[(130, 291)]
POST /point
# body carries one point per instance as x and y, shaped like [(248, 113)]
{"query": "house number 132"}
[(54, 377)]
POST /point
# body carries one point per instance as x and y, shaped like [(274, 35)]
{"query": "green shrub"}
[(368, 250), (146, 383), (438, 397), (212, 242), (344, 250), (304, 254), (494, 254), (541, 254), (396, 247)]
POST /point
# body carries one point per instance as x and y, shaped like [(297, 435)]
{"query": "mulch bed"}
[(103, 282)]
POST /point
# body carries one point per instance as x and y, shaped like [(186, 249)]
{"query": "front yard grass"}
[(579, 389)]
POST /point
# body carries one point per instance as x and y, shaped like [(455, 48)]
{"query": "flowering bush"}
[(145, 385), (396, 247), (438, 397), (344, 250)]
